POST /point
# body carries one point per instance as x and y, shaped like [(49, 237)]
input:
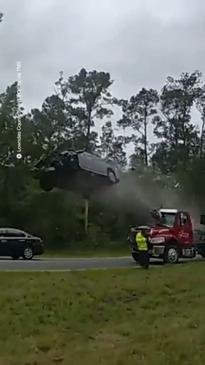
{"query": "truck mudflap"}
[(188, 252)]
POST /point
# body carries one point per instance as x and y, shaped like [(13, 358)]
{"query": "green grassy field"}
[(104, 317)]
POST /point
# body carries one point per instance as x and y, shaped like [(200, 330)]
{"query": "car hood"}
[(35, 237)]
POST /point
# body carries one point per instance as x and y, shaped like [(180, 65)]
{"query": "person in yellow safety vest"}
[(142, 240)]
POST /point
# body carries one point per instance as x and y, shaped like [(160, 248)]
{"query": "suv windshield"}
[(167, 219)]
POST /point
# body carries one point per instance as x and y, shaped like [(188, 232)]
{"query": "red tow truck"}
[(171, 236)]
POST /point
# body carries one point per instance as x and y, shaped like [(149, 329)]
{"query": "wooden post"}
[(86, 216)]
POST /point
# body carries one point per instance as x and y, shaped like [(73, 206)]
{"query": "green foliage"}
[(111, 147), (179, 136), (87, 98), (137, 114)]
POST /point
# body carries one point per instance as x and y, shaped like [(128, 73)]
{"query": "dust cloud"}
[(146, 193)]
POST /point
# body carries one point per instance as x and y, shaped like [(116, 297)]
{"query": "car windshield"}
[(167, 219)]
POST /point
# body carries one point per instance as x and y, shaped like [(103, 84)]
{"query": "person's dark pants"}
[(143, 259)]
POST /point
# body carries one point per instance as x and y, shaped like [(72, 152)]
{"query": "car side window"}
[(14, 234), (20, 234), (8, 234)]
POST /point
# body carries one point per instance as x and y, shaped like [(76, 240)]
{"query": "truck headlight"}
[(157, 240)]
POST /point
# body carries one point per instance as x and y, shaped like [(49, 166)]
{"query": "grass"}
[(112, 317), (85, 253)]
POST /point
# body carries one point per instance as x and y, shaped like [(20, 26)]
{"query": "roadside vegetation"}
[(111, 317)]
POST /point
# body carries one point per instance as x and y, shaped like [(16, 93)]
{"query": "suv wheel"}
[(171, 255), (28, 253), (111, 176), (47, 182)]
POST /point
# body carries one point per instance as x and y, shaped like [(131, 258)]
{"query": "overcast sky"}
[(139, 42)]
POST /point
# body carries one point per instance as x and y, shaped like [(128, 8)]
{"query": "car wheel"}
[(111, 176), (46, 183), (28, 253), (171, 255)]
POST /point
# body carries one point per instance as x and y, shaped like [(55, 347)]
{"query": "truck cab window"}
[(167, 219)]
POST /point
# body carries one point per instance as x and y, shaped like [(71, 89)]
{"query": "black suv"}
[(75, 170), (17, 243)]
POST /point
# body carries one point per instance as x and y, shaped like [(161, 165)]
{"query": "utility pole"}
[(86, 216), (86, 197)]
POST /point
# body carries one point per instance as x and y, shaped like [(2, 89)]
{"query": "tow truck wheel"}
[(171, 255), (135, 256), (202, 252)]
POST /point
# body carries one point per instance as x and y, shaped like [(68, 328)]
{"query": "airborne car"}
[(76, 171)]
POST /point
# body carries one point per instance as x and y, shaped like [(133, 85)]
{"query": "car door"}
[(92, 163), (12, 243), (7, 243), (3, 243), (16, 242)]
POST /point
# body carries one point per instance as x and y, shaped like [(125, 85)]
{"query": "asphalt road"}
[(66, 264)]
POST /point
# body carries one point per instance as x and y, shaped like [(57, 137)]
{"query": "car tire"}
[(171, 255), (111, 176), (46, 183), (201, 252), (28, 253)]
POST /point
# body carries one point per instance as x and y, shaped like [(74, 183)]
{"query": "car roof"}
[(12, 230)]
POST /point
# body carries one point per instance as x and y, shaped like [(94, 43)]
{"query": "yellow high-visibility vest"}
[(141, 242)]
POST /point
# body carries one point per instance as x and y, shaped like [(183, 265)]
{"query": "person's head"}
[(145, 231)]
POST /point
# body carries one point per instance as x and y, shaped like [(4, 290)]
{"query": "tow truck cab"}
[(171, 236)]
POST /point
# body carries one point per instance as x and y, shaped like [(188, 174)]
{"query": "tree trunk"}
[(87, 142), (202, 135), (145, 139)]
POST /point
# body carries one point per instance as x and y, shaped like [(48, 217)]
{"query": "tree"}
[(87, 98), (138, 112), (111, 146), (51, 125), (8, 123), (13, 173), (179, 137), (201, 107)]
